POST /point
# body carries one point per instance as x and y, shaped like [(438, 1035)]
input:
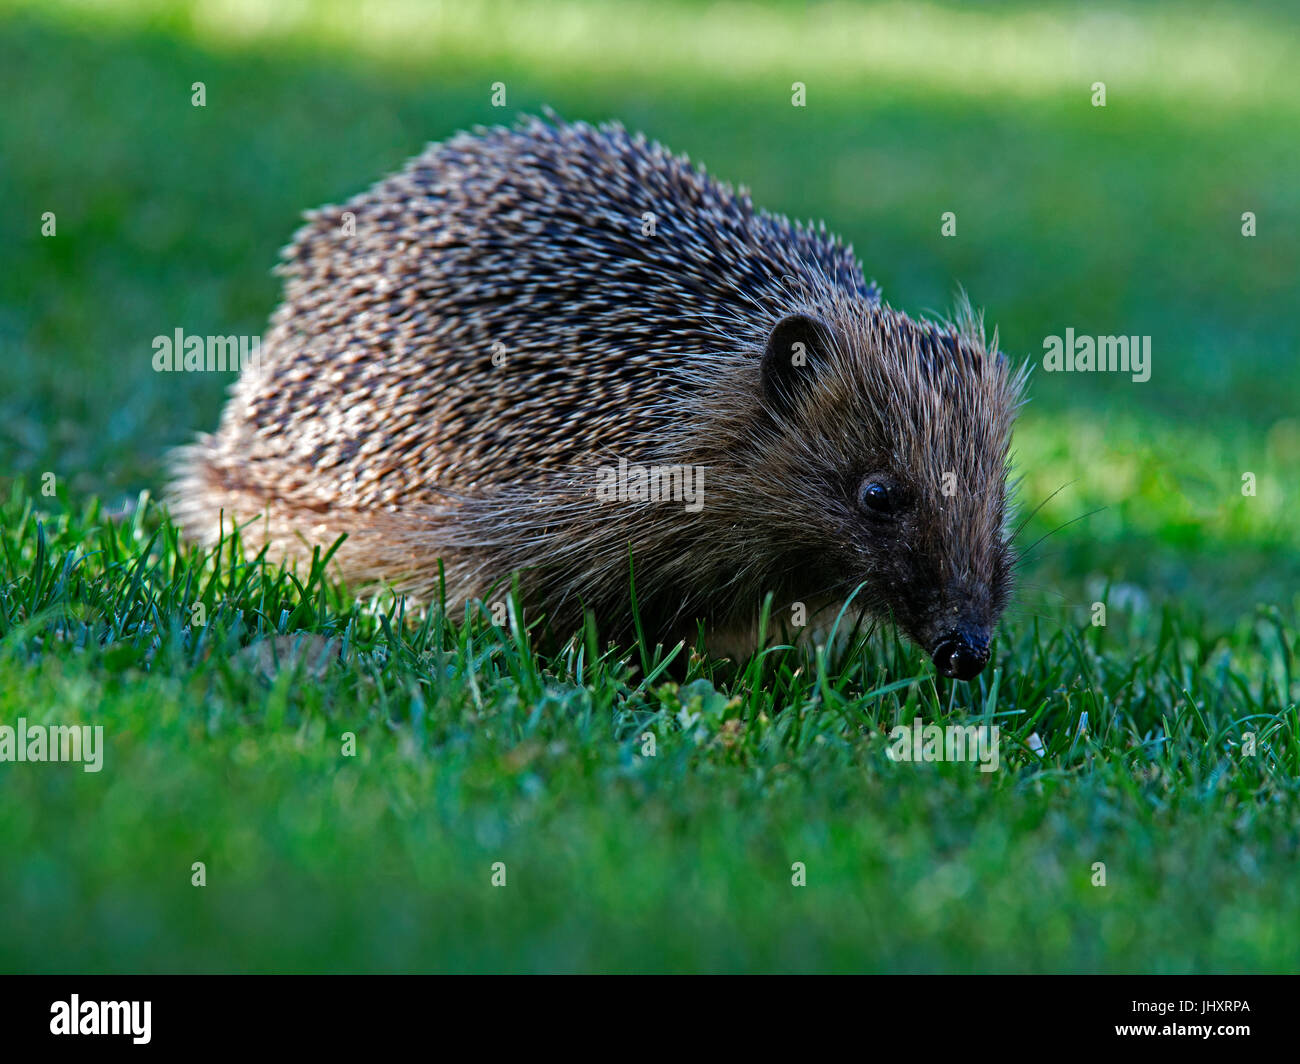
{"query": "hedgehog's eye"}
[(878, 498)]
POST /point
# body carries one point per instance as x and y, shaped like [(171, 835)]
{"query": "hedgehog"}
[(556, 354)]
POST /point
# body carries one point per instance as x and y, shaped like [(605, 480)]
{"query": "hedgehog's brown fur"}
[(380, 413)]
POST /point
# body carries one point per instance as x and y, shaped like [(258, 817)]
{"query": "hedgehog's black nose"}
[(957, 657)]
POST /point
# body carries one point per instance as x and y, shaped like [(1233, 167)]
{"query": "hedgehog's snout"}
[(961, 654)]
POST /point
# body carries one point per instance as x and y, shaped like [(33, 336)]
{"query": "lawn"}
[(1164, 745)]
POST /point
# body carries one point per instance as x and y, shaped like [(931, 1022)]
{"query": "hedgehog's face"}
[(937, 563), (900, 432)]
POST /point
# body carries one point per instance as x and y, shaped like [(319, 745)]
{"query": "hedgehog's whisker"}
[(1037, 559), (1025, 553), (1030, 516), (1044, 589)]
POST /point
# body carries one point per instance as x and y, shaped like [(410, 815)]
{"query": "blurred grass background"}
[(1122, 220)]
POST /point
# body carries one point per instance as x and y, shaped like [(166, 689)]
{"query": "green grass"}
[(224, 744)]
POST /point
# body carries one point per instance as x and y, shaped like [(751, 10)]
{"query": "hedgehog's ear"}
[(797, 347)]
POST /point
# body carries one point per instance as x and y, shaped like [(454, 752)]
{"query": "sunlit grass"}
[(1148, 478), (1216, 56)]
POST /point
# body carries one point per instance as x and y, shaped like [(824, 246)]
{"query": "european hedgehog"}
[(560, 351)]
